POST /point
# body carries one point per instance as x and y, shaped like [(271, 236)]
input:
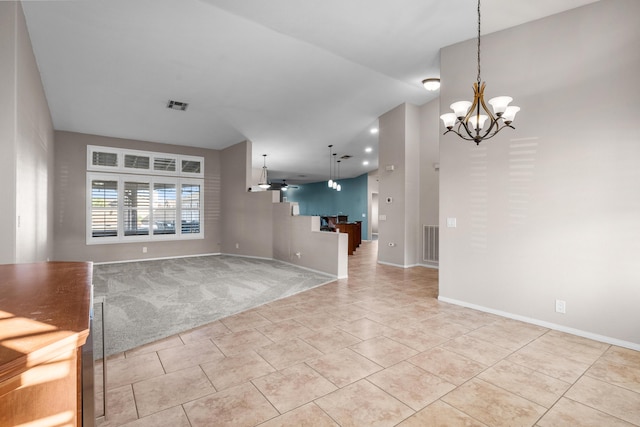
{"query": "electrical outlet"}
[(298, 254), (144, 249), (237, 245), (561, 306)]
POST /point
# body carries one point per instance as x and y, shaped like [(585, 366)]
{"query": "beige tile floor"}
[(377, 349)]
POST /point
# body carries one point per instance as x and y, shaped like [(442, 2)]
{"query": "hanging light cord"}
[(478, 42)]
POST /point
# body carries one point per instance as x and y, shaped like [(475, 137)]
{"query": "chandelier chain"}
[(478, 42)]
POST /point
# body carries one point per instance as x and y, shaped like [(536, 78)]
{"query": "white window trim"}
[(121, 179), (121, 152)]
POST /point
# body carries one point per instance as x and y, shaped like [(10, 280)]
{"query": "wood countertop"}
[(44, 311)]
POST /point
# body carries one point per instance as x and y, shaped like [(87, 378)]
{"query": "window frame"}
[(152, 155), (200, 184), (89, 208), (102, 173)]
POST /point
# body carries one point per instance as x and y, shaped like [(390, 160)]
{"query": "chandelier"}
[(264, 183), (469, 118)]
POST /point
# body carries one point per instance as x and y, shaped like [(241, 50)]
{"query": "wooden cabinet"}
[(340, 222), (44, 322), (354, 230)]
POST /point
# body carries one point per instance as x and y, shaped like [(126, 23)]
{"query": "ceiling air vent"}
[(177, 105), (346, 156)]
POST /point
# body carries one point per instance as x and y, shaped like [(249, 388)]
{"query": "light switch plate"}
[(451, 222)]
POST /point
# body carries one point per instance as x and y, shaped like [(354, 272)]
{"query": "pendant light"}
[(264, 183), (284, 186), (338, 186), (330, 182), (334, 185), (469, 118)]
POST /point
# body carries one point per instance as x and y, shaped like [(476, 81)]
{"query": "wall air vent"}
[(177, 105), (346, 156)]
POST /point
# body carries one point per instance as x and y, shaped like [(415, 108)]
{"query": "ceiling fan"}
[(283, 186)]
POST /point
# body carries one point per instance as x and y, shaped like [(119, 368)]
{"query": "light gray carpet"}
[(150, 300)]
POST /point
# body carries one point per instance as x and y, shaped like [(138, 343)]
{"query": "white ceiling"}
[(293, 76)]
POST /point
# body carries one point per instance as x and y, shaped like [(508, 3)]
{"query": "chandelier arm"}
[(474, 104), (457, 132), (484, 106), (464, 122), (464, 125), (498, 129)]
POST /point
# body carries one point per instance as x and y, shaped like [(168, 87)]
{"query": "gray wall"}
[(399, 146), (70, 209), (373, 188), (318, 250), (247, 216), (256, 224), (429, 155), (550, 211), (26, 138)]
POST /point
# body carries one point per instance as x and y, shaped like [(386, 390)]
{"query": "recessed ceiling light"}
[(365, 163), (368, 150), (373, 130)]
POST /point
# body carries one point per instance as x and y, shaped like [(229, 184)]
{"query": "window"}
[(147, 203), (190, 166), (190, 218), (164, 208), (136, 208), (132, 161), (110, 159), (102, 159), (104, 208), (164, 164)]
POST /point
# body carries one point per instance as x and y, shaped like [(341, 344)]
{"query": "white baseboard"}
[(395, 265), (408, 266), (434, 266), (333, 277), (330, 276), (554, 326), (154, 259), (248, 256)]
